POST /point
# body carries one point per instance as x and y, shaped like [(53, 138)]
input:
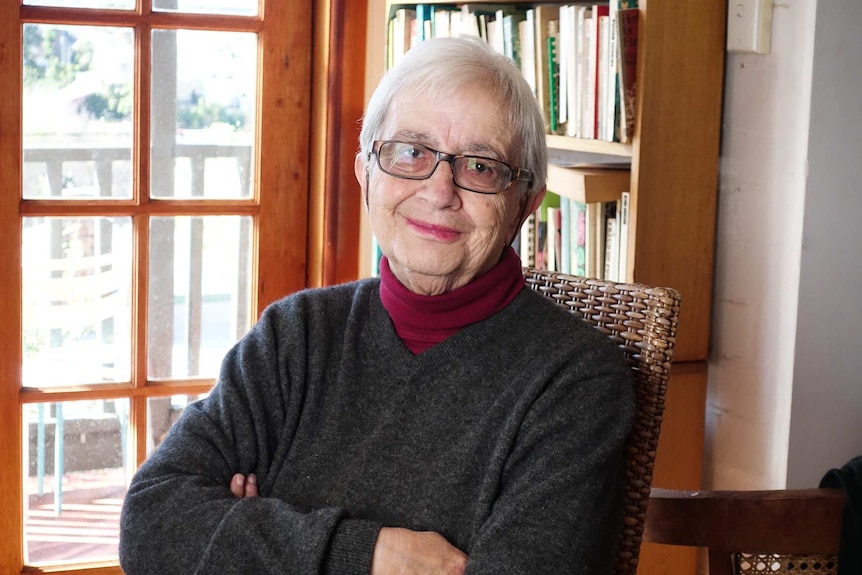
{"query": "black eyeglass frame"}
[(515, 174)]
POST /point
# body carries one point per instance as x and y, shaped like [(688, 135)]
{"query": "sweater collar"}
[(422, 321)]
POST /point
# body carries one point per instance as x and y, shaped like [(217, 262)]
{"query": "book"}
[(424, 21), (552, 250), (553, 78), (526, 34), (593, 45), (595, 240), (629, 22), (581, 14), (579, 237), (604, 78), (527, 241), (623, 225), (564, 93), (543, 15), (511, 22), (566, 229), (611, 245), (402, 33)]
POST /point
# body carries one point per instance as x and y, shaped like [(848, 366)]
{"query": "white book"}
[(551, 255), (442, 23), (604, 77), (612, 245), (526, 30), (564, 40), (623, 217), (591, 31), (611, 120)]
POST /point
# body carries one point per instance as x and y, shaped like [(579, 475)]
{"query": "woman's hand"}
[(397, 551), (242, 486), (405, 552)]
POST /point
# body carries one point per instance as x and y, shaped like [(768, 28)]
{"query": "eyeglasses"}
[(473, 173)]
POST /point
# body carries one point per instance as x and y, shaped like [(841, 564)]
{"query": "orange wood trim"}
[(283, 179), (338, 96), (675, 158), (11, 496), (88, 568), (163, 20), (117, 390), (130, 207), (352, 97), (332, 177)]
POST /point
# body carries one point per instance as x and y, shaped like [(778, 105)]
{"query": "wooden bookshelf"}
[(673, 189)]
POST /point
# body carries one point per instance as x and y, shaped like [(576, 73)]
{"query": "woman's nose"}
[(440, 188)]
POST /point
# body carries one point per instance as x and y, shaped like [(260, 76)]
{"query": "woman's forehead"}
[(469, 116)]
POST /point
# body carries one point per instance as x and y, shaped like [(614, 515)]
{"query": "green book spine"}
[(554, 83)]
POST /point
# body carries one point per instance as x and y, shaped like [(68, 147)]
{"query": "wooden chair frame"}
[(793, 528)]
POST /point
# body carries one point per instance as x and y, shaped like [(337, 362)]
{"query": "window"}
[(157, 191)]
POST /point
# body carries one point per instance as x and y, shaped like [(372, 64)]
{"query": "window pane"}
[(108, 4), (203, 113), (77, 111), (162, 413), (75, 480), (199, 292), (76, 314), (234, 7)]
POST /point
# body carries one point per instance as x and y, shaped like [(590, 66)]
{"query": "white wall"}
[(782, 405), (826, 414)]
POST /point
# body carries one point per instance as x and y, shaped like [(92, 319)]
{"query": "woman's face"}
[(437, 236)]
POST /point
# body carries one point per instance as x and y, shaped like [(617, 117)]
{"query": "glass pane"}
[(77, 111), (75, 479), (203, 113), (162, 413), (233, 7), (77, 277), (199, 292), (100, 4)]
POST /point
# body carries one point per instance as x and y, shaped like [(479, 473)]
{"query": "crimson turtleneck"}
[(423, 321)]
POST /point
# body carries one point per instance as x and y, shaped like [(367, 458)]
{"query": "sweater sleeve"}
[(559, 505), (179, 516)]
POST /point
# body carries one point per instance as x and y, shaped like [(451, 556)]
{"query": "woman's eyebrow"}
[(470, 149)]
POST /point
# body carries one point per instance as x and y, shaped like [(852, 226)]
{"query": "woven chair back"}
[(642, 321)]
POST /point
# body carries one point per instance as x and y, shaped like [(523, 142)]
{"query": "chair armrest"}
[(787, 521)]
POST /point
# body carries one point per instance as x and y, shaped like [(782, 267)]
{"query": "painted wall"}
[(826, 413), (783, 405)]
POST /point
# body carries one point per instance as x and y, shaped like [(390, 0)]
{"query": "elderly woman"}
[(440, 419)]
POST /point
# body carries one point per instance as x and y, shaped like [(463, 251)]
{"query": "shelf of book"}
[(588, 146)]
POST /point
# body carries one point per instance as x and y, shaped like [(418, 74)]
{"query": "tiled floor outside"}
[(87, 528)]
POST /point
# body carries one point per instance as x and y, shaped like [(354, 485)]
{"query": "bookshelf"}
[(673, 187)]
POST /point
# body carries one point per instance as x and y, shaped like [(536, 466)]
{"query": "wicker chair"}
[(778, 532), (642, 320)]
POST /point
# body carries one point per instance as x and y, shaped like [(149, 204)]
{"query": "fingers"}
[(251, 485), (242, 486), (237, 485), (402, 551)]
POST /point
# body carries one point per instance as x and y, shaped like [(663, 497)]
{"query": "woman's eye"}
[(409, 153)]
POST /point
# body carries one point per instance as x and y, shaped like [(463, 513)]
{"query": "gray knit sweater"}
[(506, 438)]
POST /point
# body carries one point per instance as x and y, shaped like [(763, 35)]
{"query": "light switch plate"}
[(749, 26)]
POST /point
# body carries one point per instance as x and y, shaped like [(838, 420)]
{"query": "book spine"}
[(553, 76)]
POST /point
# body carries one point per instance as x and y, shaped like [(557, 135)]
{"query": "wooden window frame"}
[(305, 185)]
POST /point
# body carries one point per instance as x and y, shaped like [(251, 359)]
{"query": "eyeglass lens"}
[(416, 161)]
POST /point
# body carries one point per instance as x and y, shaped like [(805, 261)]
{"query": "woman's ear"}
[(528, 204), (360, 170), (535, 200)]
